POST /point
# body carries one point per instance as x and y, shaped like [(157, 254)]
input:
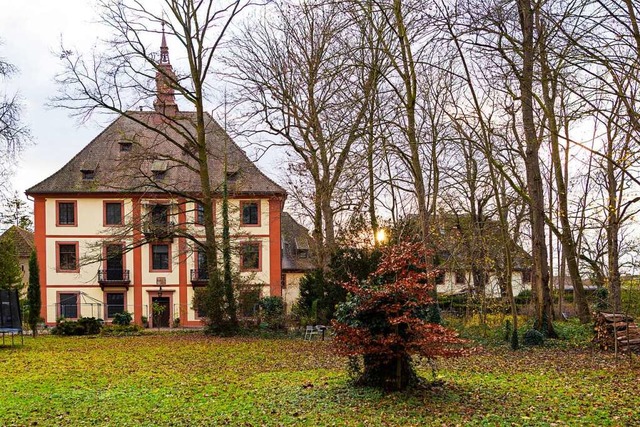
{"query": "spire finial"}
[(164, 50)]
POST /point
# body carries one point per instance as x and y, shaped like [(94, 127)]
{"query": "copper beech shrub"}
[(385, 321)]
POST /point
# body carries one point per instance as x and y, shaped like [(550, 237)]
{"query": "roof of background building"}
[(296, 242), (22, 238)]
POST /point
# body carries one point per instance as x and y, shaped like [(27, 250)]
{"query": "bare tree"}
[(14, 134), (298, 72), (128, 73)]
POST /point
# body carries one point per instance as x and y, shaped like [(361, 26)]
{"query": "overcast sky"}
[(30, 32)]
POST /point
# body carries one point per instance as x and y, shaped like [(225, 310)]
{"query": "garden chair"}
[(309, 332)]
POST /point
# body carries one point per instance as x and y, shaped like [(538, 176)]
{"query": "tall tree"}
[(10, 272), (550, 82), (122, 77), (544, 315), (33, 294), (16, 212), (298, 71), (14, 134)]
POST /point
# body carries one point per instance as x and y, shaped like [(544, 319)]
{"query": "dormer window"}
[(125, 146), (159, 169), (302, 247), (88, 170), (232, 176)]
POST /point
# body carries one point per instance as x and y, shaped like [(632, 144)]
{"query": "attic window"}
[(302, 243), (125, 146), (159, 169), (88, 170), (88, 174), (232, 175), (302, 247)]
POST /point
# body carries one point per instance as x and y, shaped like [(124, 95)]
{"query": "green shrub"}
[(533, 338), (514, 340), (121, 330), (524, 297), (82, 326), (574, 332), (320, 290), (272, 313), (122, 319), (601, 299), (507, 330)]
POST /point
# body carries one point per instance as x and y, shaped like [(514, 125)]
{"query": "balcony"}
[(199, 278), (114, 278), (158, 231)]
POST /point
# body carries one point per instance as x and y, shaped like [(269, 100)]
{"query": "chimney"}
[(165, 102)]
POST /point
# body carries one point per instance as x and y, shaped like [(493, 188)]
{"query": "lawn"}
[(191, 380)]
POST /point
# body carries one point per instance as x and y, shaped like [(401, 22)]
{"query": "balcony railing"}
[(114, 277), (199, 277), (158, 230)]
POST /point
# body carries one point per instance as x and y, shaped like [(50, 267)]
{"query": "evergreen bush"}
[(122, 319), (272, 309), (533, 338), (82, 326)]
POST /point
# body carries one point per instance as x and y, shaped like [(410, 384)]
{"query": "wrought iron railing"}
[(110, 276), (199, 277), (158, 230)]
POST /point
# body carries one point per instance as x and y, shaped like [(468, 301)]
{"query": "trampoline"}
[(10, 320)]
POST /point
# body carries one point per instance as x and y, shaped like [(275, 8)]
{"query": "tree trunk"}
[(565, 235), (613, 229), (407, 72), (544, 309)]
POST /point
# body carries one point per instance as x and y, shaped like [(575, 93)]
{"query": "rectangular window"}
[(160, 257), (113, 213), (115, 304), (68, 306), (460, 277), (66, 213), (202, 261), (250, 257), (67, 257), (526, 276), (114, 262), (160, 215), (250, 213), (199, 213), (125, 146)]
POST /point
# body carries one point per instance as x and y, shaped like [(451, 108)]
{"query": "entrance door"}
[(161, 309), (115, 264)]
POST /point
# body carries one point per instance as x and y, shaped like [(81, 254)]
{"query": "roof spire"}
[(165, 102), (164, 50)]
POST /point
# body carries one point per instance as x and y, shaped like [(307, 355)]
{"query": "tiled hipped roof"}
[(104, 166), (23, 239), (295, 240)]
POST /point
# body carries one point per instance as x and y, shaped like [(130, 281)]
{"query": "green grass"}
[(192, 380)]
